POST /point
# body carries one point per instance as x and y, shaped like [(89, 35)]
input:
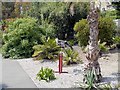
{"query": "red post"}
[(60, 62)]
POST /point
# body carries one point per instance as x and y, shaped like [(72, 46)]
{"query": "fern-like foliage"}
[(71, 57), (48, 50)]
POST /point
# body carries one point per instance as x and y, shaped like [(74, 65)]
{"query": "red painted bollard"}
[(60, 62), (60, 66)]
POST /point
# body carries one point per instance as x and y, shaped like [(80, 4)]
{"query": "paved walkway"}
[(13, 76)]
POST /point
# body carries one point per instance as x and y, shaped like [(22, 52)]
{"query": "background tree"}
[(59, 14), (7, 9), (12, 9)]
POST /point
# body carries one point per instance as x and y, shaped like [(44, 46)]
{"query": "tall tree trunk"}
[(71, 8), (93, 49)]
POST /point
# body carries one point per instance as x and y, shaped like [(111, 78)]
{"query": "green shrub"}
[(5, 23), (106, 31), (46, 74), (116, 40), (48, 50), (71, 57), (22, 35), (47, 29), (72, 42), (82, 30), (102, 47), (111, 14)]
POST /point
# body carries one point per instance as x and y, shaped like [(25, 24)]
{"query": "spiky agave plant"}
[(90, 79)]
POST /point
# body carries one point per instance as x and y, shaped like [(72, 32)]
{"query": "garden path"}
[(13, 76)]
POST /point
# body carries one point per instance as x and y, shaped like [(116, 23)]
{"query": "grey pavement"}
[(13, 76)]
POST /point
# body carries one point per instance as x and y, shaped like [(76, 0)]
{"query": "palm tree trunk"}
[(93, 49)]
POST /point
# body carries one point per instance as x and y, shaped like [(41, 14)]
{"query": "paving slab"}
[(13, 75)]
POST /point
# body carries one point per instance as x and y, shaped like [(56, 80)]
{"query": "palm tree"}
[(93, 50)]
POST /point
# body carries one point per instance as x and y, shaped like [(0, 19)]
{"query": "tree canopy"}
[(60, 15)]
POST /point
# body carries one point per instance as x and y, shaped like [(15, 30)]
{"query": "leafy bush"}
[(72, 42), (71, 57), (48, 50), (6, 23), (47, 29), (82, 30), (106, 31), (46, 74), (22, 34), (111, 14), (116, 40), (102, 47)]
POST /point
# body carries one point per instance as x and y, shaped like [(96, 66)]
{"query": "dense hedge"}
[(106, 31), (22, 34)]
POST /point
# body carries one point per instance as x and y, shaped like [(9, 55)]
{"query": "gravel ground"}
[(64, 80), (108, 63)]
